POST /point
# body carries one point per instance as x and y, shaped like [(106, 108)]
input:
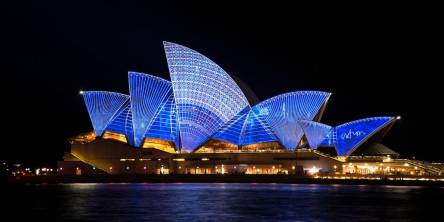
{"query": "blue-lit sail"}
[(330, 139), (164, 125), (315, 132), (147, 94), (123, 122), (202, 101), (256, 130), (283, 112), (352, 134), (232, 131), (206, 96), (102, 106)]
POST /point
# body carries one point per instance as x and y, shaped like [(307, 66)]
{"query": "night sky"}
[(375, 60)]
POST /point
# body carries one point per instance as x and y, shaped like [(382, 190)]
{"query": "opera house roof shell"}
[(203, 102)]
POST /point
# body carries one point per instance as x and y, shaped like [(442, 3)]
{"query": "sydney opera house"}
[(206, 121)]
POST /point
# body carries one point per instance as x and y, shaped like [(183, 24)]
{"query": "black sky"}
[(376, 60)]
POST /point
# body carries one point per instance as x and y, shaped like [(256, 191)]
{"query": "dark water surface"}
[(221, 202)]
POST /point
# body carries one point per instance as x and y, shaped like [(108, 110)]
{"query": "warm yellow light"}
[(114, 136), (179, 159), (205, 159), (163, 145), (398, 117), (313, 170)]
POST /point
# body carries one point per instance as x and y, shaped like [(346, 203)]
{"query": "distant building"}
[(205, 121)]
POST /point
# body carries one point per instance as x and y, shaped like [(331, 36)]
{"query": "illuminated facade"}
[(102, 106), (206, 96), (201, 121), (283, 112), (122, 123), (315, 132), (147, 95), (348, 136)]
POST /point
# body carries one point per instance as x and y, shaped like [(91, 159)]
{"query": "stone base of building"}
[(105, 156)]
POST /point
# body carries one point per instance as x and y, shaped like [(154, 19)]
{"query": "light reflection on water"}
[(224, 202)]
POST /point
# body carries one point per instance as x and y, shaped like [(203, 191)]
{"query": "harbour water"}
[(221, 202)]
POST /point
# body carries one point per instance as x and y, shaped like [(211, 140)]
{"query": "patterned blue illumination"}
[(330, 139), (123, 122), (147, 94), (164, 126), (352, 134), (233, 130), (247, 127), (283, 112), (202, 101), (256, 130), (206, 96), (102, 106), (195, 123), (315, 132)]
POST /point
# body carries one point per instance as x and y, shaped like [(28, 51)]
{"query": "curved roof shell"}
[(206, 96), (315, 132), (202, 101), (102, 106), (283, 112), (147, 94)]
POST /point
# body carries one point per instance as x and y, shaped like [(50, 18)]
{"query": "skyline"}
[(59, 57)]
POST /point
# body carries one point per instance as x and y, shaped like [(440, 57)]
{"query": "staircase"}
[(427, 167)]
